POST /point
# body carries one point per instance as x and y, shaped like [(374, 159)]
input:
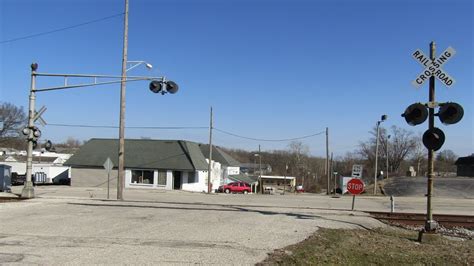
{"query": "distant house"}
[(149, 164), (465, 166), (47, 164), (229, 166), (254, 168)]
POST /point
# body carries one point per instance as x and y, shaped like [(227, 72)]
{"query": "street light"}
[(386, 151), (134, 64), (383, 118)]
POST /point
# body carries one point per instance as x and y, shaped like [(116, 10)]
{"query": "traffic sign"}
[(108, 165), (433, 67), (357, 170), (355, 186)]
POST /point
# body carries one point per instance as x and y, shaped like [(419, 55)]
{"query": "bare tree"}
[(418, 156), (445, 161), (299, 160), (13, 119), (401, 144)]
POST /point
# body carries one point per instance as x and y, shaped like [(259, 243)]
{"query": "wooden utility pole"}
[(121, 152), (327, 160), (209, 169), (260, 167)]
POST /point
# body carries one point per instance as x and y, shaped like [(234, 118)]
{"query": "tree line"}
[(398, 150)]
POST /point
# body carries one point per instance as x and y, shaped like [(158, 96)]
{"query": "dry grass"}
[(389, 246)]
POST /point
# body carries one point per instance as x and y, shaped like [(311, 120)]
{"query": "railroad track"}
[(445, 220)]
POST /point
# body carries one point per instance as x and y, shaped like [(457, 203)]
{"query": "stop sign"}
[(355, 186)]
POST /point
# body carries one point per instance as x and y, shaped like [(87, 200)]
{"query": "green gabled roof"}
[(141, 153), (243, 178), (195, 155), (219, 155)]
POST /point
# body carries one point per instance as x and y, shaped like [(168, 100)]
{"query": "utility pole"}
[(209, 170), (332, 172), (121, 152), (327, 159), (260, 166), (430, 223)]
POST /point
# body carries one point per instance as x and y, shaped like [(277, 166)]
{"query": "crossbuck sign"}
[(433, 67)]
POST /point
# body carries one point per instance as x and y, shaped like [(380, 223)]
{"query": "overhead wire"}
[(61, 29), (133, 127), (188, 127), (269, 140)]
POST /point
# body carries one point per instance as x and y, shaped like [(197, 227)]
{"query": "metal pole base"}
[(431, 226), (427, 236), (28, 191)]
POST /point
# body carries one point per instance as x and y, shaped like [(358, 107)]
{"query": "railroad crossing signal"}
[(433, 67), (415, 114), (449, 113), (38, 117), (433, 138)]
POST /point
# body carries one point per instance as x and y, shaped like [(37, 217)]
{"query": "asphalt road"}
[(66, 225), (455, 187)]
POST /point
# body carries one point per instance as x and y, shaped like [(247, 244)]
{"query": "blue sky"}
[(270, 69)]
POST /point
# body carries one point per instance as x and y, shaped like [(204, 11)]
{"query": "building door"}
[(176, 180)]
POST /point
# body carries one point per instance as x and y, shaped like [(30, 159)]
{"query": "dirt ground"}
[(388, 246)]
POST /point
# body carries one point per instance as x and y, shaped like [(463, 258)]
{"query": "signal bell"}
[(415, 114), (433, 139), (450, 113)]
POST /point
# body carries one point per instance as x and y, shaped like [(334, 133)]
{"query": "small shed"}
[(465, 166), (5, 178)]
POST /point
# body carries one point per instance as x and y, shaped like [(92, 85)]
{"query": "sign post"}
[(355, 186), (108, 165)]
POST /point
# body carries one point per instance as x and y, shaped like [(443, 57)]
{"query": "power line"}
[(60, 29), (105, 126), (186, 127), (269, 140)]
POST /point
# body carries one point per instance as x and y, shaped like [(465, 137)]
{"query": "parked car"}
[(18, 179), (235, 187), (299, 189)]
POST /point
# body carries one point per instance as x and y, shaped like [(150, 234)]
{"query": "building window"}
[(192, 177), (142, 177), (162, 177)]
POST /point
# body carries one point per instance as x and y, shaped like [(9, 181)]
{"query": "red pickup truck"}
[(235, 187)]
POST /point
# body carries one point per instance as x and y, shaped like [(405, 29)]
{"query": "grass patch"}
[(387, 246)]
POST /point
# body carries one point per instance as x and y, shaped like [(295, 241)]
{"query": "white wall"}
[(49, 169), (199, 186)]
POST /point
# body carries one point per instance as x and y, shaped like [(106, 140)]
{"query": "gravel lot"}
[(79, 226), (165, 227)]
